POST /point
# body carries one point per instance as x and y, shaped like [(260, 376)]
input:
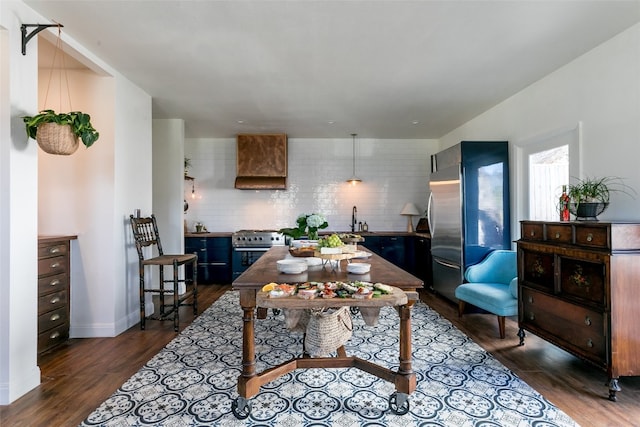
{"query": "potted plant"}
[(58, 133), (590, 196), (307, 224)]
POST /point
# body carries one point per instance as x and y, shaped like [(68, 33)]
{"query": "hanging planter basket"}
[(57, 139), (60, 133)]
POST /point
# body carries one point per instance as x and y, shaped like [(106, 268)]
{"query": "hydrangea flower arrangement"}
[(307, 224)]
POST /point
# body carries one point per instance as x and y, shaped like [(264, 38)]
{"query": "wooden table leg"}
[(406, 379), (248, 304)]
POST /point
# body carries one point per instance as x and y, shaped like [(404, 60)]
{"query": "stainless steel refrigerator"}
[(468, 210)]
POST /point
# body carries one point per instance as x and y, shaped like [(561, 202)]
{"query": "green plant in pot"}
[(590, 196), (58, 133)]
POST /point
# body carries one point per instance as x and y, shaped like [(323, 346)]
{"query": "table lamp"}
[(410, 210)]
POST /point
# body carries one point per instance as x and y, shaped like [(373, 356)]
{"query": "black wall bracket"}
[(38, 27)]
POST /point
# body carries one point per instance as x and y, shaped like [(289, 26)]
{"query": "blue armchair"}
[(492, 285)]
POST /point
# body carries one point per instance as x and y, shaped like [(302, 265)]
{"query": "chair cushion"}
[(495, 298), (513, 287)]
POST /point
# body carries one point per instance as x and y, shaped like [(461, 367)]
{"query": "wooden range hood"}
[(261, 162)]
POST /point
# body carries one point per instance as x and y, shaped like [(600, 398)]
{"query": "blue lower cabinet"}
[(391, 248), (214, 258)]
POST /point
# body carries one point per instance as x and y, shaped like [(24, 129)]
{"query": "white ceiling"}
[(369, 67)]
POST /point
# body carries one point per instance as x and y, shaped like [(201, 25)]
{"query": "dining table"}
[(255, 305)]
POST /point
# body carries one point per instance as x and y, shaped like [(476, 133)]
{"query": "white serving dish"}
[(292, 266), (330, 251), (358, 267), (313, 261), (361, 254)]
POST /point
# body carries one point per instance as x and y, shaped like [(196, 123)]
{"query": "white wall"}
[(393, 172), (98, 188), (18, 212), (601, 89)]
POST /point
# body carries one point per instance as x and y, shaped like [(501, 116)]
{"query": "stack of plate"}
[(358, 267), (292, 266)]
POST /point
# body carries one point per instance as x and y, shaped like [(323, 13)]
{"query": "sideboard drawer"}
[(560, 233), (52, 301), (533, 232), (52, 319), (596, 237), (46, 250), (575, 326), (52, 265), (50, 284), (53, 337)]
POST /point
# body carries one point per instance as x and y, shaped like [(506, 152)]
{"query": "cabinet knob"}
[(54, 335), (55, 300), (203, 250), (530, 300), (54, 317), (532, 316), (557, 235), (587, 321), (55, 265), (532, 234), (589, 237), (54, 282), (54, 250), (589, 343)]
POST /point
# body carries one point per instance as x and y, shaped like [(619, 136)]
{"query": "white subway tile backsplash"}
[(393, 172)]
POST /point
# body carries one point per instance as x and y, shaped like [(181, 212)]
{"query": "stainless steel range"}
[(249, 245)]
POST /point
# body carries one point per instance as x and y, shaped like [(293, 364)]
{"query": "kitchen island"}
[(264, 271)]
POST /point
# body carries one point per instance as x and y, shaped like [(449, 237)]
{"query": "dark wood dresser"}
[(579, 288), (53, 291)]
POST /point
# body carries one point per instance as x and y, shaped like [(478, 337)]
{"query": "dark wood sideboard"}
[(53, 291), (579, 288)]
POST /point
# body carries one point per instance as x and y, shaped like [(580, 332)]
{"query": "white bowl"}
[(292, 266), (358, 267)]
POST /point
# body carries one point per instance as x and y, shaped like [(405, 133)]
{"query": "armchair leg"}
[(501, 326), (461, 307)]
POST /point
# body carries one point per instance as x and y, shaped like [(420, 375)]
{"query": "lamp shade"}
[(410, 209)]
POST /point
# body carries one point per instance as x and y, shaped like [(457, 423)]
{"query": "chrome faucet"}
[(354, 219)]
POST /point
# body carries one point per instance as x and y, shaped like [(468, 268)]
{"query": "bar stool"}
[(145, 233)]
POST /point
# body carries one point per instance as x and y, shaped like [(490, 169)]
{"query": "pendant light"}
[(354, 179)]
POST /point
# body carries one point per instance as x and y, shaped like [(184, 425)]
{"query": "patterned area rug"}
[(192, 381)]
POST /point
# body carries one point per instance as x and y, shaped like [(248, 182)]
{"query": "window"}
[(543, 165)]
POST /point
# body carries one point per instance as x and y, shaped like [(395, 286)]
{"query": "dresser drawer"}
[(575, 327), (52, 301), (52, 319), (53, 337), (560, 233), (46, 250), (582, 280), (533, 232), (596, 237), (50, 284), (52, 265)]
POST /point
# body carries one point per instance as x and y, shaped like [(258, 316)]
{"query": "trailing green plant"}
[(80, 124)]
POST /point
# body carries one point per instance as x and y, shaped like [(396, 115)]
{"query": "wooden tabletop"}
[(264, 271)]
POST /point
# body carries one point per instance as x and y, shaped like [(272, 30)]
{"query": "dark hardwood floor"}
[(81, 374)]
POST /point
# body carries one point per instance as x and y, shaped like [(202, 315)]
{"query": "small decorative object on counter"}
[(564, 204), (199, 227), (365, 226)]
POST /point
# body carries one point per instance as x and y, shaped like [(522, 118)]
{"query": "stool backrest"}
[(145, 233)]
